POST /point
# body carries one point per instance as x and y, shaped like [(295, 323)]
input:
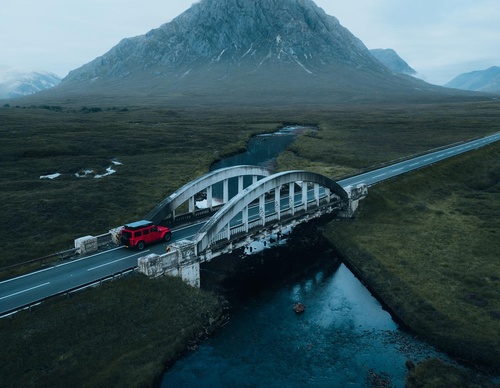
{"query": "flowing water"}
[(344, 337)]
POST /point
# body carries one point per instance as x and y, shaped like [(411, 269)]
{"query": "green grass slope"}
[(428, 244), (122, 333)]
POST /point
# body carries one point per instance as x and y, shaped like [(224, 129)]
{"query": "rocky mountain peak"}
[(235, 33)]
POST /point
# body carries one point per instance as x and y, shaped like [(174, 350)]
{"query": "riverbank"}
[(427, 243)]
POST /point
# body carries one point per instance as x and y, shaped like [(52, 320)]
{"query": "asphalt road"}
[(29, 289)]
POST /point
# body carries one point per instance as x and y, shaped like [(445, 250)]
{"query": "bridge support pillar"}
[(304, 195), (189, 264), (240, 184), (277, 201), (328, 193), (262, 209), (191, 274), (191, 205), (355, 193), (244, 218), (181, 261), (209, 197), (225, 194)]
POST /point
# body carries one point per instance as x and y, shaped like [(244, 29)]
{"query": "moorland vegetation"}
[(160, 149)]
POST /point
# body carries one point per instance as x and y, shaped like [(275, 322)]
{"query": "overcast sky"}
[(440, 39)]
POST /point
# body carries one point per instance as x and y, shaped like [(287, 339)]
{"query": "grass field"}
[(122, 333), (428, 244)]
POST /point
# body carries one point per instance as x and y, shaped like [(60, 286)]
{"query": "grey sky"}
[(438, 38)]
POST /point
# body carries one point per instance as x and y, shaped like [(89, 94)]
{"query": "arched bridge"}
[(266, 205), (335, 197)]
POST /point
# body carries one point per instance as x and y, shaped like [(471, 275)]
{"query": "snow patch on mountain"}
[(18, 82)]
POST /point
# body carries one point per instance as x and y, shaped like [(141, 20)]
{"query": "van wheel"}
[(167, 237), (140, 245)]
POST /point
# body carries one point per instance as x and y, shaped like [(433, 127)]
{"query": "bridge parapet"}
[(355, 194), (180, 260)]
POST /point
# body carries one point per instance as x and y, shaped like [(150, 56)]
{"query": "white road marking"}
[(87, 257), (117, 260), (26, 290), (28, 274), (56, 266)]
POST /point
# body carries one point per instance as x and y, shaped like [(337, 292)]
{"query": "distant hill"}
[(17, 83), (390, 59), (481, 80), (241, 52)]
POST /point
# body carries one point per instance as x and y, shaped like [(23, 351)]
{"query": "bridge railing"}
[(256, 224), (104, 239), (186, 218)]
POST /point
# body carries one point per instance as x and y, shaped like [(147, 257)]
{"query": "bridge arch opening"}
[(166, 210)]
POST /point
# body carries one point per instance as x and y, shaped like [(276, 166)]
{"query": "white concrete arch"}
[(189, 190), (240, 202)]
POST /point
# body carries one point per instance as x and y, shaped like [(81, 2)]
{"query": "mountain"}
[(390, 59), (16, 83), (230, 34), (482, 80), (240, 52)]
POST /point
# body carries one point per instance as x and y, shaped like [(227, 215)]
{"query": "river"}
[(344, 337)]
